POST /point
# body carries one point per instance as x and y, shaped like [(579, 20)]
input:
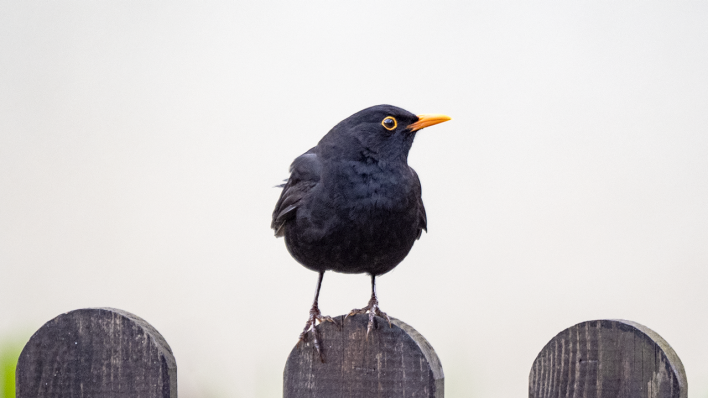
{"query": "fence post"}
[(97, 352), (608, 358), (392, 362)]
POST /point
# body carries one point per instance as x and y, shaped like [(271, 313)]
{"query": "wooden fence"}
[(109, 353)]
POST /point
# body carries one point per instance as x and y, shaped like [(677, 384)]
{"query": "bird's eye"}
[(389, 123)]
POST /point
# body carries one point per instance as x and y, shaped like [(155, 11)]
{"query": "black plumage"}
[(352, 204)]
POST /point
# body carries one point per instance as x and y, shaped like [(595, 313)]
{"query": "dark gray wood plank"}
[(393, 362), (97, 352), (607, 359)]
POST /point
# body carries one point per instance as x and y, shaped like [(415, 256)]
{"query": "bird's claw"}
[(373, 309), (327, 318), (315, 316)]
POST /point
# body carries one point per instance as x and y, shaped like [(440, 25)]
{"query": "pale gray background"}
[(140, 141)]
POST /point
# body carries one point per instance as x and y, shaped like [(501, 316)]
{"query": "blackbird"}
[(352, 204)]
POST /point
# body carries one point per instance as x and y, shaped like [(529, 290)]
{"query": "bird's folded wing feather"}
[(422, 218), (304, 175)]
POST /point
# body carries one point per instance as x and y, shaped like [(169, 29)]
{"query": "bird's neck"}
[(365, 184), (391, 153)]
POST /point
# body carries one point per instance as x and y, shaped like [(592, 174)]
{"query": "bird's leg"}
[(315, 315), (372, 308)]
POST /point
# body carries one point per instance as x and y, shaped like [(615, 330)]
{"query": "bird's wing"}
[(304, 175), (422, 218)]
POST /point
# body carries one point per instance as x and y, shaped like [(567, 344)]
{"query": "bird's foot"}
[(315, 315), (373, 309)]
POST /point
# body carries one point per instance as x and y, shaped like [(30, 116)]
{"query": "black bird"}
[(352, 204)]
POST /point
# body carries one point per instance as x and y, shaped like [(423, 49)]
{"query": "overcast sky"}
[(140, 143)]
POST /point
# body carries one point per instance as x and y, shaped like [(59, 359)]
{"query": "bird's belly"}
[(357, 241)]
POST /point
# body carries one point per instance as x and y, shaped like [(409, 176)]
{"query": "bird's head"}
[(383, 132)]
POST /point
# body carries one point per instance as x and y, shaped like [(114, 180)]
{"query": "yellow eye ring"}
[(389, 123)]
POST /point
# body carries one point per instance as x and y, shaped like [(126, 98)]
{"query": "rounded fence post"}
[(97, 352), (391, 362), (608, 358)]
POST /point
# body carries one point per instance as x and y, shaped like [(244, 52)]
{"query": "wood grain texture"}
[(607, 358), (394, 362), (97, 352)]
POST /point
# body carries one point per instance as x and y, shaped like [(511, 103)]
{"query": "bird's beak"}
[(427, 121)]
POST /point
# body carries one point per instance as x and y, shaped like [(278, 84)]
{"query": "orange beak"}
[(427, 121)]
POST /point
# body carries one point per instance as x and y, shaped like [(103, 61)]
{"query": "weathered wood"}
[(608, 359), (97, 352), (393, 362)]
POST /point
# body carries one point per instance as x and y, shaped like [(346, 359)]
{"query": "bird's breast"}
[(357, 219), (369, 189)]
